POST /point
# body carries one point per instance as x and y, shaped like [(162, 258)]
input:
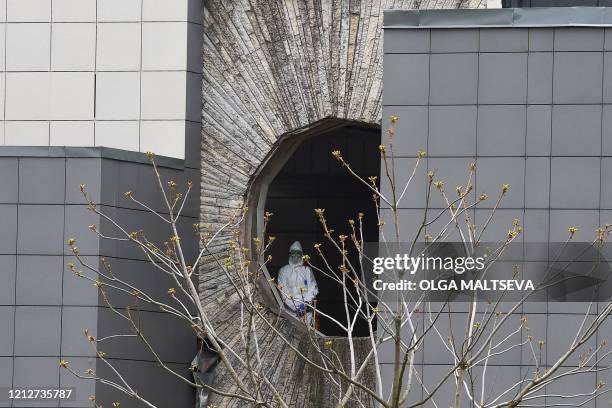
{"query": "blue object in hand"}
[(301, 308)]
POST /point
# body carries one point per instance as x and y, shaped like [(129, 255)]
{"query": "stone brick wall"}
[(271, 68)]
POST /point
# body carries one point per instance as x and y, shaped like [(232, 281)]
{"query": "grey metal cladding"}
[(396, 42), (41, 180), (577, 77), (453, 79), (78, 291), (406, 79), (501, 130), (41, 229), (78, 220), (495, 171), (35, 371), (39, 280), (579, 39), (539, 77), (537, 171), (539, 94), (498, 18), (86, 172), (6, 372), (7, 279), (502, 78), (576, 130), (8, 232), (9, 173), (606, 187), (452, 131), (574, 182), (453, 40), (75, 319), (538, 130), (607, 80), (37, 331), (414, 122), (41, 205), (7, 317), (505, 40)]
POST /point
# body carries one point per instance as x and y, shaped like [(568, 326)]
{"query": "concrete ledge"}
[(89, 152), (491, 18)]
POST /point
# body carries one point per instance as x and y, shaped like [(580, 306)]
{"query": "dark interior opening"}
[(313, 178)]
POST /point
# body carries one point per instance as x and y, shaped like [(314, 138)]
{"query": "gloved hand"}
[(301, 308)]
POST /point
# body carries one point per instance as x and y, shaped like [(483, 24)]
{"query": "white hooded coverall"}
[(296, 282)]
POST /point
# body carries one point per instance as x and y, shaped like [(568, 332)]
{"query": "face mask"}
[(295, 259)]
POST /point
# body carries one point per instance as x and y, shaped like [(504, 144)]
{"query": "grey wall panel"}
[(9, 180), (162, 388), (505, 40), (502, 78), (541, 39), (6, 373), (577, 77), (32, 372), (539, 77), (41, 181), (452, 131), (406, 79), (607, 81), (7, 318), (574, 182), (41, 229), (454, 171), (404, 167), (411, 131), (576, 130), (501, 130), (606, 186), (41, 206), (493, 172), (75, 319), (607, 39), (8, 232), (579, 39), (560, 220), (193, 142), (453, 79), (538, 98), (539, 124), (7, 279), (503, 222), (77, 291), (39, 280), (85, 172), (537, 171), (396, 42), (78, 218), (453, 40), (37, 330), (84, 388)]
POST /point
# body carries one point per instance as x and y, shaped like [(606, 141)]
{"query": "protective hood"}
[(295, 254), (296, 246)]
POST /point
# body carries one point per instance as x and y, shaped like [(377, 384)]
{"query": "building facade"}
[(524, 94), (217, 90), (87, 86)]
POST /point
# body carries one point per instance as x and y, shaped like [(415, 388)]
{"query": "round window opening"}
[(302, 175)]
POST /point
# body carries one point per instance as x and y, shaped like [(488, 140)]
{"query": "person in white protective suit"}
[(297, 284)]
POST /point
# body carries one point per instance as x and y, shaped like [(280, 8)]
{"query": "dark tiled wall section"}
[(534, 108), (44, 307)]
